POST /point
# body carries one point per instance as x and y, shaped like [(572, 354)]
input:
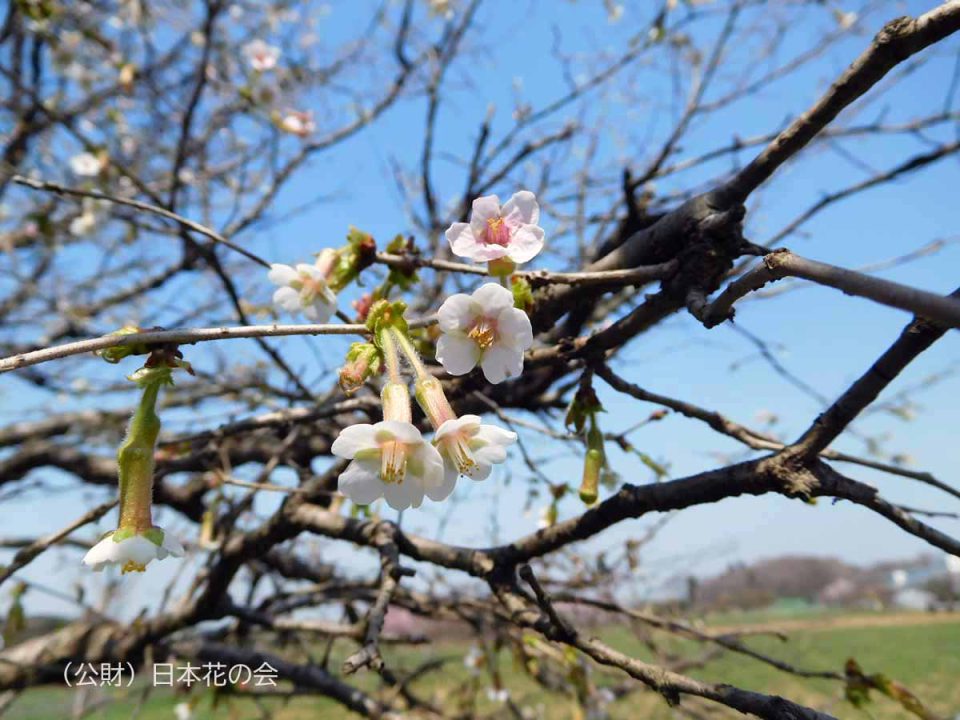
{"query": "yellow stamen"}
[(497, 232), (132, 566), (393, 462), (460, 454), (483, 332)]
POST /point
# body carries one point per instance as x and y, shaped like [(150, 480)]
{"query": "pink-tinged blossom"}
[(496, 232), (297, 123), (486, 329), (262, 56), (471, 448)]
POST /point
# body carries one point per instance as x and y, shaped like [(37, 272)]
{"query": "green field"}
[(922, 652)]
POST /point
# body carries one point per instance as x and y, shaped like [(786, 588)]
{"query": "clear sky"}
[(823, 337)]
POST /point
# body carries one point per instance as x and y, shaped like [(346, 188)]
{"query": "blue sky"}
[(825, 338)]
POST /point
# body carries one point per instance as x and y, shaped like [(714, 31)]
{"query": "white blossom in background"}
[(496, 232), (134, 552), (845, 20), (296, 123), (86, 221), (86, 165), (262, 56), (442, 8), (183, 711), (473, 660), (392, 460), (303, 289), (483, 328), (498, 695), (471, 448)]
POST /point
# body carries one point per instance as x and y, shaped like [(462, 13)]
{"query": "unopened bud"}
[(522, 294), (363, 362), (592, 466), (359, 253)]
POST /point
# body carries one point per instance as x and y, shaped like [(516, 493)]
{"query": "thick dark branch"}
[(897, 41)]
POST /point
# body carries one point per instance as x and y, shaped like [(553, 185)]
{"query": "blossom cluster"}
[(392, 459)]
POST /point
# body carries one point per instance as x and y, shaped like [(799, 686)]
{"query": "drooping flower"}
[(296, 123), (483, 328), (471, 448), (392, 460), (86, 165), (496, 232), (132, 551), (467, 446), (305, 289), (262, 56)]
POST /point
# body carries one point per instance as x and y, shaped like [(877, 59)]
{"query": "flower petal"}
[(445, 488), (353, 439), (500, 363), (403, 431), (522, 209), (286, 298), (433, 475), (403, 495), (467, 424), (281, 274), (493, 298), (463, 242), (457, 354), (103, 553), (318, 311), (484, 208), (457, 312), (526, 243), (361, 482), (514, 329), (171, 545)]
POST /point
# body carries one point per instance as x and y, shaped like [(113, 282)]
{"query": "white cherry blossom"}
[(262, 56), (134, 551), (86, 165), (303, 289), (297, 123), (471, 448), (496, 232), (483, 328), (392, 460)]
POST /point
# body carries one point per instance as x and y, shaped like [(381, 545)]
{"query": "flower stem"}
[(390, 355), (135, 461), (413, 357)]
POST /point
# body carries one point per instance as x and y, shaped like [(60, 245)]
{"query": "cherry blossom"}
[(297, 123), (471, 448), (304, 289), (261, 56), (132, 551), (392, 460), (86, 165), (496, 232), (483, 328)]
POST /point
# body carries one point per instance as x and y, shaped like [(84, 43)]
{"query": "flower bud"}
[(522, 294), (358, 254), (363, 362)]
